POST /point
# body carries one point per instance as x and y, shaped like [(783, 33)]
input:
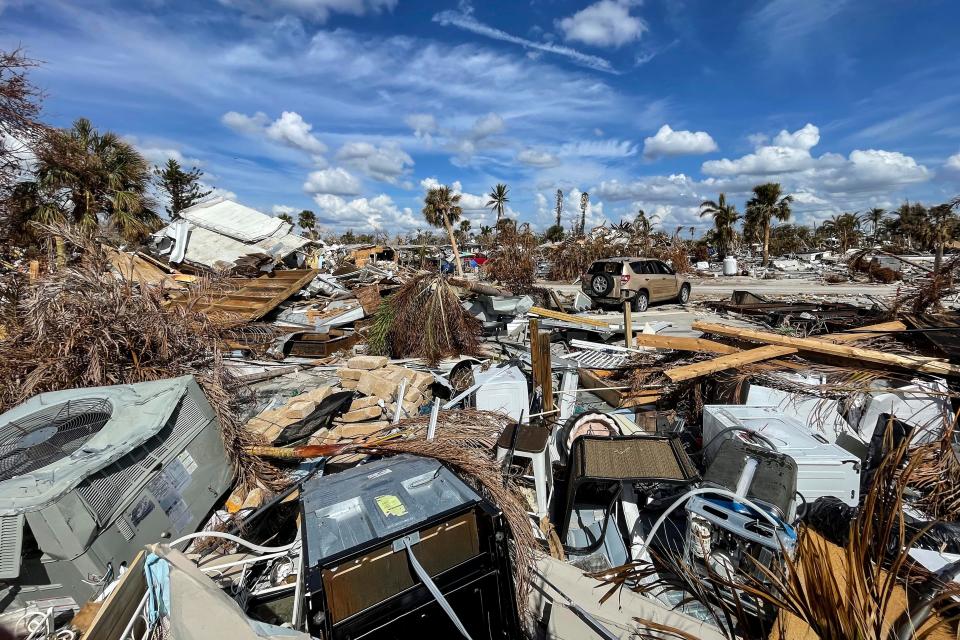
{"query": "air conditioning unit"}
[(90, 476)]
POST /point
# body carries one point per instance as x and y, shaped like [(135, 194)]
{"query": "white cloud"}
[(607, 23), (158, 154), (595, 216), (282, 208), (486, 126), (668, 142), (316, 10), (365, 214), (789, 152), (537, 158), (875, 169), (289, 130), (953, 162), (385, 163), (424, 125), (676, 188), (463, 19), (805, 138), (610, 148), (336, 181)]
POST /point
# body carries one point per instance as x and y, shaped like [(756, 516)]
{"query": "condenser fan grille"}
[(50, 435)]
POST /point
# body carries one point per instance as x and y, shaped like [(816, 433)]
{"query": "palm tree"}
[(308, 221), (767, 203), (286, 217), (83, 175), (875, 217), (642, 229), (559, 208), (942, 221), (846, 228), (441, 208), (724, 217), (913, 223), (498, 199)]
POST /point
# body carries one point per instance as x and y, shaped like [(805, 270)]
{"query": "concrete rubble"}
[(706, 463)]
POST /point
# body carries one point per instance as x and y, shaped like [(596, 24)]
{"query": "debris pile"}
[(255, 442)]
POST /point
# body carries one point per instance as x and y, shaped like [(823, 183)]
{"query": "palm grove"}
[(98, 182)]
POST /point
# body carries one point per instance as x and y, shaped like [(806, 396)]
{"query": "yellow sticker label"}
[(391, 505)]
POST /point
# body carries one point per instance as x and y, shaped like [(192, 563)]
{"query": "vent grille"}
[(11, 538), (106, 491), (124, 528), (49, 435)]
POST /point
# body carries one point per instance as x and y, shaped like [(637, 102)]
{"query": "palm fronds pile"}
[(83, 327), (424, 319), (514, 262), (574, 255)]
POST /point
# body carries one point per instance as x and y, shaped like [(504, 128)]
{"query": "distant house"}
[(226, 235)]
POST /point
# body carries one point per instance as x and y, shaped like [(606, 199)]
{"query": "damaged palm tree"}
[(514, 262), (424, 319), (83, 327)]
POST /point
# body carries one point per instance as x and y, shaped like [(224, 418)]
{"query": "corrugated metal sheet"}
[(234, 220)]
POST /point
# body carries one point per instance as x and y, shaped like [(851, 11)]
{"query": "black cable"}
[(603, 529), (235, 526), (804, 500)]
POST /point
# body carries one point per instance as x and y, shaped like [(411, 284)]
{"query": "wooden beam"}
[(682, 343), (824, 347), (728, 361), (627, 324), (738, 358), (566, 317)]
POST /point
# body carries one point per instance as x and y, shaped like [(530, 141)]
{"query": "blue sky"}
[(352, 108)]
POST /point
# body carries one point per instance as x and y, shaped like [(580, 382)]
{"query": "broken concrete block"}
[(349, 374), (391, 374), (414, 395), (371, 384), (320, 436), (367, 363), (422, 380), (317, 394), (401, 372), (362, 429), (299, 409), (348, 384), (363, 403), (360, 415), (409, 409)]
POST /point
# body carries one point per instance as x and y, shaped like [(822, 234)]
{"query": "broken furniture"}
[(90, 476), (400, 546), (598, 469), (316, 344), (247, 298), (531, 443)]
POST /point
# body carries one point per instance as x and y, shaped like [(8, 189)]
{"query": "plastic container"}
[(729, 266)]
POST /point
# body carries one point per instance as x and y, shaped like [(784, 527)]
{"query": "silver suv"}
[(639, 280)]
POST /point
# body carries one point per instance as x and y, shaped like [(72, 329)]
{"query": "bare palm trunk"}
[(766, 244), (938, 258), (453, 243)]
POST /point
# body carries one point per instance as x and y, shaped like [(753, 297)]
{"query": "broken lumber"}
[(738, 358), (479, 287), (824, 347), (566, 317), (682, 343), (728, 361)]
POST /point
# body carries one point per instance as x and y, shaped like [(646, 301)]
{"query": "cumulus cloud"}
[(789, 152), (315, 10), (607, 23), (289, 130), (675, 188), (282, 208), (424, 125), (157, 154), (364, 214), (335, 181), (385, 163), (953, 162), (537, 158), (668, 142), (474, 206), (874, 168)]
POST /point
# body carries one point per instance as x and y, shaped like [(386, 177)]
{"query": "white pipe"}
[(139, 610), (746, 477), (227, 565), (233, 538)]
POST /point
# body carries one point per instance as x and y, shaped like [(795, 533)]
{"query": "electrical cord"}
[(750, 432)]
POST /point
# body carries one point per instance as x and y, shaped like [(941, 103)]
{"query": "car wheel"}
[(640, 302), (601, 284), (684, 296)]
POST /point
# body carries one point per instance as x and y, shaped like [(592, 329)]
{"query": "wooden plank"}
[(121, 605), (566, 317), (738, 358), (627, 324), (254, 298), (728, 361), (814, 345), (681, 343)]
